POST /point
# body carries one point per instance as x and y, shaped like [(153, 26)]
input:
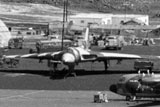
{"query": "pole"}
[(64, 9), (48, 31)]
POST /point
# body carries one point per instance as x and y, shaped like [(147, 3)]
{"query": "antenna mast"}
[(65, 13)]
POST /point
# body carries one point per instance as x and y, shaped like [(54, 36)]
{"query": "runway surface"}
[(29, 84), (43, 98)]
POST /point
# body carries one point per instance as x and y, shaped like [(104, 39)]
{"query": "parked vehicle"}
[(9, 62), (114, 42), (15, 43), (143, 65), (50, 45)]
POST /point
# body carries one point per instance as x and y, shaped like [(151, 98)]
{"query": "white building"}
[(90, 18), (107, 19), (118, 18)]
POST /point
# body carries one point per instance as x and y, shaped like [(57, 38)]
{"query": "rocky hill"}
[(127, 6), (47, 8)]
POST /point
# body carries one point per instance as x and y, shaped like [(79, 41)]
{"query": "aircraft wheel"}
[(14, 63), (138, 98), (106, 64), (53, 69), (128, 98), (1, 64)]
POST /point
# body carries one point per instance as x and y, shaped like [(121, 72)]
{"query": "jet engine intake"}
[(68, 58), (75, 52)]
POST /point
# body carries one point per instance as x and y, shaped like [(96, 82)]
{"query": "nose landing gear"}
[(130, 98), (70, 71)]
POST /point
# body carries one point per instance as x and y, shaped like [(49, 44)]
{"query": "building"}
[(119, 18), (84, 19), (27, 28)]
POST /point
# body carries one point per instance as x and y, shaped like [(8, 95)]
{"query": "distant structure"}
[(108, 19), (124, 18), (5, 34), (27, 29), (85, 19)]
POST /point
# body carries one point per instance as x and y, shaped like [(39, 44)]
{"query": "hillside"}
[(29, 12), (135, 6), (44, 10)]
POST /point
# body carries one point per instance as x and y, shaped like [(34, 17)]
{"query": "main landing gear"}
[(53, 69), (131, 98), (106, 64), (70, 71)]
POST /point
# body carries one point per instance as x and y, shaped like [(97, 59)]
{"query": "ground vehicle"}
[(53, 37), (10, 62), (79, 40), (143, 65), (113, 41), (15, 43), (50, 45)]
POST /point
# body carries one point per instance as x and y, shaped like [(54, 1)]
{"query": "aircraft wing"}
[(116, 56), (121, 56), (47, 55), (84, 56), (106, 55)]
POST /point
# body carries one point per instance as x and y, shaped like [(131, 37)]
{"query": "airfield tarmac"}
[(30, 85), (43, 98), (61, 98)]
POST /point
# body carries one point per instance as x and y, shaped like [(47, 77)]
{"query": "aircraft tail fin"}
[(69, 27), (86, 43)]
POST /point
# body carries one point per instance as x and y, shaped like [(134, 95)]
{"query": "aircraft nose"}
[(113, 88), (68, 58)]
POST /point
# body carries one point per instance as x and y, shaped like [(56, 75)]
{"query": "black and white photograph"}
[(79, 53)]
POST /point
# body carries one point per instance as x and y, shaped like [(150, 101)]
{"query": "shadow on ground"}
[(60, 74), (147, 104)]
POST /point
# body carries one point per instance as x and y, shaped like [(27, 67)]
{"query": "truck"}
[(114, 42), (143, 65), (50, 45), (15, 43)]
